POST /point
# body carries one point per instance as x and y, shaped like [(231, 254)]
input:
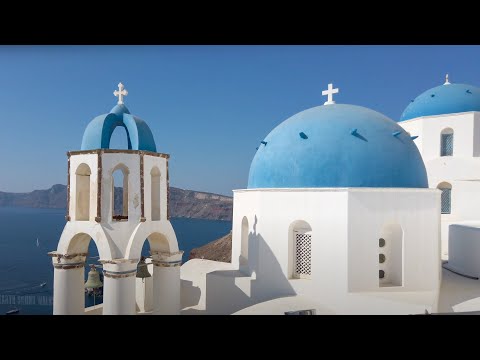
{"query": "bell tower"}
[(118, 228)]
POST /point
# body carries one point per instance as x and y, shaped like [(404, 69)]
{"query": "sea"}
[(24, 266)]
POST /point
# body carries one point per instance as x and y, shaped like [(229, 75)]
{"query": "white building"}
[(446, 121), (337, 215), (118, 234)]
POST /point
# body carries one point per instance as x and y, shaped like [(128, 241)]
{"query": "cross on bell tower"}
[(121, 92), (329, 92)]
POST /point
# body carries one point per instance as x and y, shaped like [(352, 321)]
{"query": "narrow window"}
[(82, 208), (446, 147), (303, 254), (446, 197), (120, 194), (155, 193)]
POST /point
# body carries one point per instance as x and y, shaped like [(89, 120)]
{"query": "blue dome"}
[(444, 99), (337, 146), (99, 131)]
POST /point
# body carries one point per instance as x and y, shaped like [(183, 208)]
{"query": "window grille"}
[(446, 201), (303, 255), (447, 145)]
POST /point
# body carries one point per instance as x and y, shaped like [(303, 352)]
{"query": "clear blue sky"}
[(208, 106)]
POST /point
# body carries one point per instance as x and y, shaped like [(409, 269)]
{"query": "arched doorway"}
[(159, 292), (71, 274)]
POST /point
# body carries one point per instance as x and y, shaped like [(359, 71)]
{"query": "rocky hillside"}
[(218, 250), (183, 203)]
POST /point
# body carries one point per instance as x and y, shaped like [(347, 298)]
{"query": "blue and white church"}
[(346, 212), (119, 233), (446, 123)]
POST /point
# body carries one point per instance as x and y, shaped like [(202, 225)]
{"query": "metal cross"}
[(121, 92), (446, 80), (329, 94)]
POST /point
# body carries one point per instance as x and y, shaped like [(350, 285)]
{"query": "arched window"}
[(446, 142), (82, 199), (120, 193), (244, 244), (301, 250), (155, 193), (446, 204), (390, 256)]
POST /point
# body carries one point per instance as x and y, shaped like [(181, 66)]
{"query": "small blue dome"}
[(337, 146), (99, 131), (444, 99)]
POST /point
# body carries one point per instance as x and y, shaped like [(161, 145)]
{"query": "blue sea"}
[(24, 266)]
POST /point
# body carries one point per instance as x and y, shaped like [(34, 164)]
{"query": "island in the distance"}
[(183, 203)]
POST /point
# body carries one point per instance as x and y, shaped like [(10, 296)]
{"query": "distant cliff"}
[(217, 250), (183, 203)]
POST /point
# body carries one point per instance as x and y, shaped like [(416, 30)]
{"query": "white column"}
[(119, 287), (166, 282), (68, 284)]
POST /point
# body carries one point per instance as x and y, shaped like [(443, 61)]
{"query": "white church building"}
[(346, 212), (446, 123), (119, 237)]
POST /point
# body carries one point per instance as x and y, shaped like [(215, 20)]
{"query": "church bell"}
[(142, 270), (93, 281)]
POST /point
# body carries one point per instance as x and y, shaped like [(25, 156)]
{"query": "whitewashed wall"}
[(346, 225)]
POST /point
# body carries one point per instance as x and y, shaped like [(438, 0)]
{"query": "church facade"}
[(446, 123), (338, 210)]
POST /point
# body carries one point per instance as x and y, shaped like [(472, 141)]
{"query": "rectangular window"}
[(303, 255), (447, 145), (446, 201)]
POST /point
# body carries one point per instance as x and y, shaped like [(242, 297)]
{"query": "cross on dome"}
[(121, 92), (446, 80), (329, 92)]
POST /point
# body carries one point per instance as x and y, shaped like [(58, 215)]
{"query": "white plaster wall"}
[(448, 168), (346, 224), (462, 170), (465, 206), (75, 161), (464, 248), (418, 214), (431, 128), (476, 134), (415, 128), (161, 163)]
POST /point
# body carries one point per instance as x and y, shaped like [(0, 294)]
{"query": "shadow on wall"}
[(190, 295), (228, 291)]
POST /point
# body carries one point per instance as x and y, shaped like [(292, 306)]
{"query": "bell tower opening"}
[(155, 193), (82, 185), (120, 193)]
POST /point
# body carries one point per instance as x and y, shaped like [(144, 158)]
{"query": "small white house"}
[(446, 123)]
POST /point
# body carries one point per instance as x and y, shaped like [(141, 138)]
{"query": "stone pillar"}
[(119, 286), (166, 282), (68, 283)]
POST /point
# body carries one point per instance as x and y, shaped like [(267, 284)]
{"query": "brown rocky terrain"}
[(183, 203), (217, 250)]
